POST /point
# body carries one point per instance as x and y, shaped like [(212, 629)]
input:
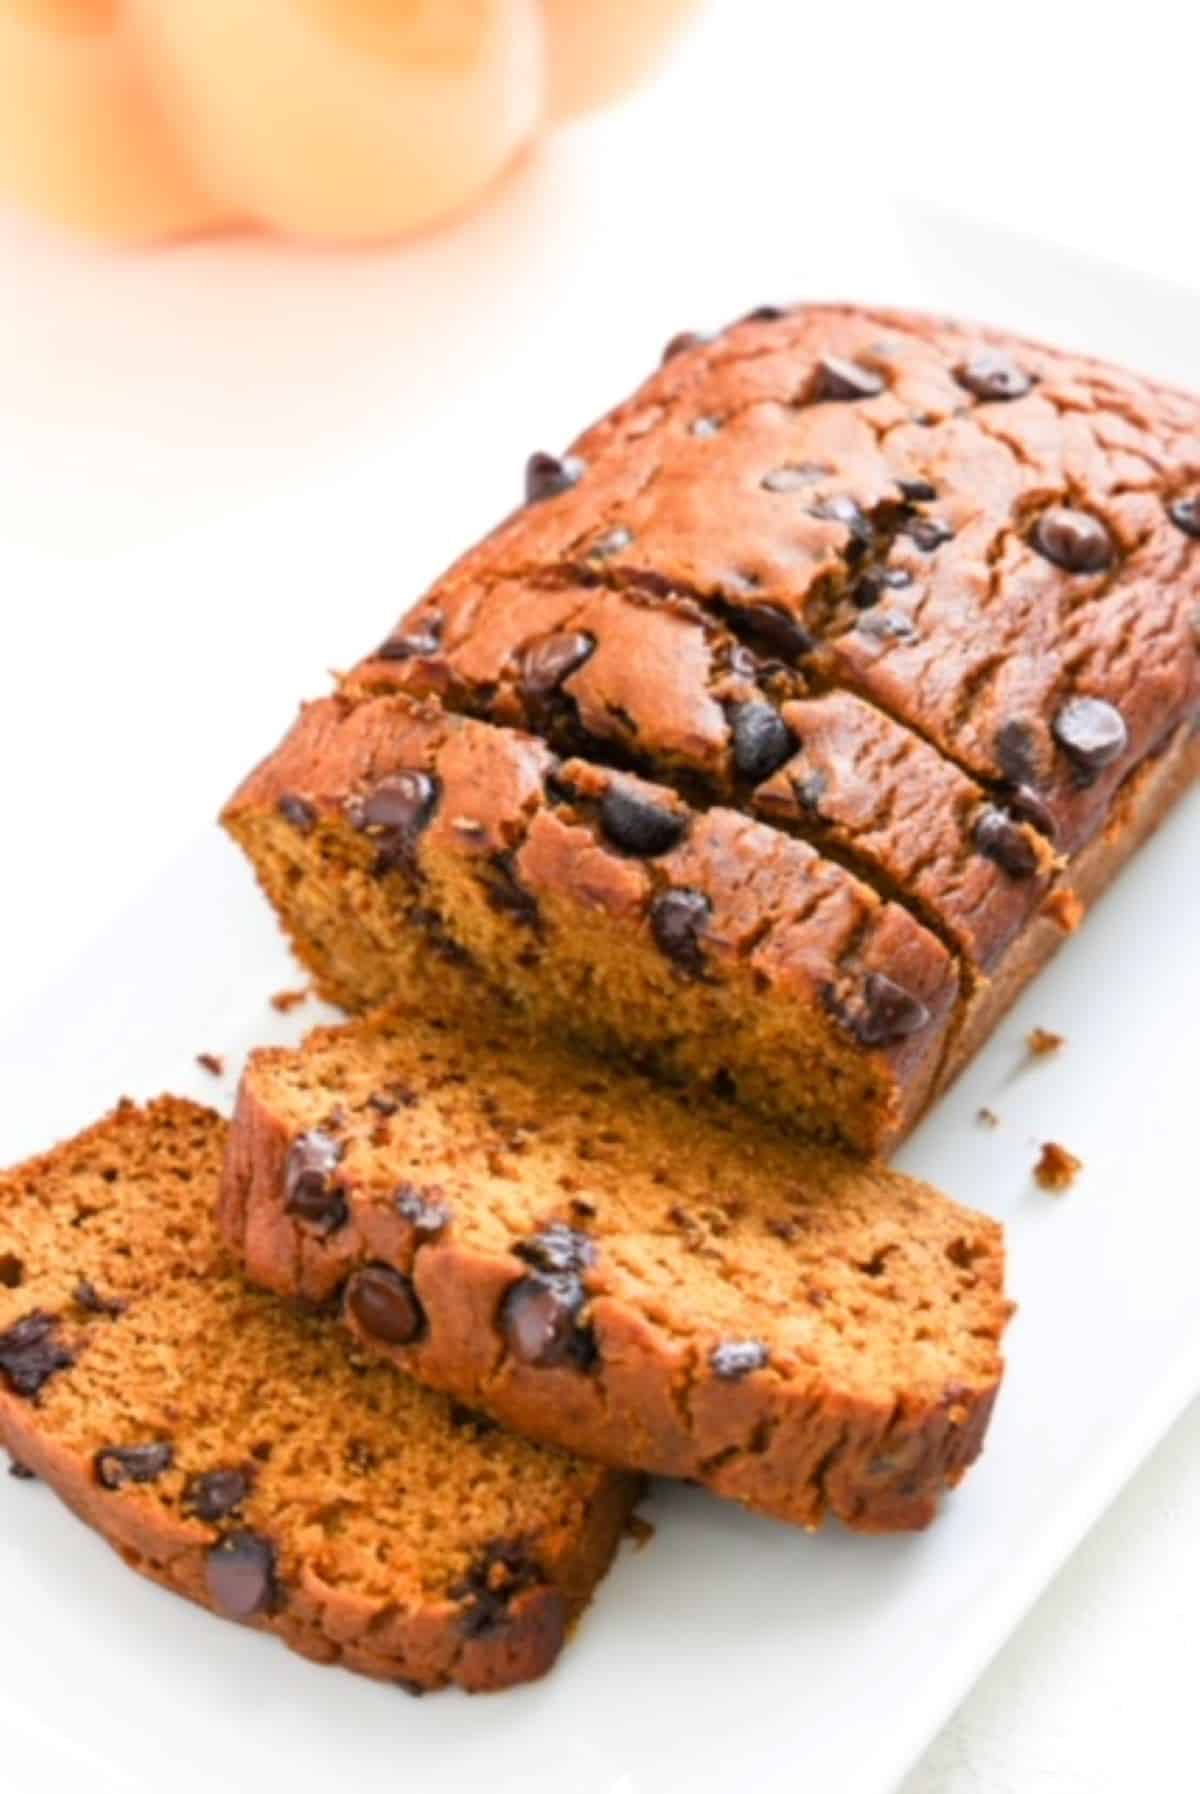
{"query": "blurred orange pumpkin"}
[(142, 120)]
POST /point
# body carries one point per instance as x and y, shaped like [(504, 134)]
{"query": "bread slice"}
[(601, 1265), (235, 1451)]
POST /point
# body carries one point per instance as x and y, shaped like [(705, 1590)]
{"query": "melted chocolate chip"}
[(638, 825), (917, 492), (559, 1249), (491, 1586), (999, 838), (1073, 540), (12, 1271), (682, 341), (678, 922), (837, 378), (794, 477), (420, 1208), (418, 639), (872, 585), (1092, 732), (240, 1575), (506, 894), (993, 374), (31, 1353), (118, 1465), (1185, 515), (85, 1295), (883, 1014), (546, 476), (926, 533), (385, 1305), (1025, 804), (762, 741), (216, 1494), (298, 811), (308, 1192), (736, 1358), (396, 811), (777, 629), (550, 659)]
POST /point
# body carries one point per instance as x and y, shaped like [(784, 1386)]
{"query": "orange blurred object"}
[(140, 120)]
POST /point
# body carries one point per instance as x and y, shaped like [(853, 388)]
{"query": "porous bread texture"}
[(600, 1264), (236, 1451)]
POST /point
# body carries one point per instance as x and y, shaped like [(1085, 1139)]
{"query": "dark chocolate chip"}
[(777, 629), (12, 1271), (917, 492), (492, 1585), (762, 741), (550, 659), (298, 811), (541, 1320), (611, 542), (1073, 540), (741, 664), (794, 477), (309, 1193), (558, 1248), (848, 512), (85, 1295), (467, 1420), (240, 1574), (884, 1012), (638, 825), (764, 314), (395, 811), (1185, 515), (736, 1358), (1025, 804), (872, 584), (809, 791), (118, 1465), (21, 1472), (678, 922), (505, 892), (684, 340), (993, 374), (546, 476), (887, 626), (1092, 732), (215, 1494), (704, 426), (31, 1353), (837, 378), (926, 533), (1017, 752), (999, 838), (418, 639), (385, 1305), (420, 1208)]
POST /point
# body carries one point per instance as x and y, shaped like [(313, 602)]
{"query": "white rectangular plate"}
[(731, 1653)]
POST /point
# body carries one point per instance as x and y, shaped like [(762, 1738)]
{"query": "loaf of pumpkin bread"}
[(804, 706), (583, 1255)]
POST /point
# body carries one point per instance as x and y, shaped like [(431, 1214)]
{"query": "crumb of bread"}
[(1064, 909), (1057, 1168), (211, 1063), (987, 1117), (1041, 1042), (639, 1530), (287, 1000)]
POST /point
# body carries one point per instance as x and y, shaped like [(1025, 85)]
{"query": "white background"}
[(147, 409)]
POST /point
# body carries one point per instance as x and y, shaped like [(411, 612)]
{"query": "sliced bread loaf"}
[(235, 1451), (599, 1264)]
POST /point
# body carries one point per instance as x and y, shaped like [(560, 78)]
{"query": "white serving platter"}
[(222, 472)]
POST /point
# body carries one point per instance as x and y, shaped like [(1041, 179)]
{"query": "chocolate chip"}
[(837, 378), (1185, 515), (385, 1305), (467, 1420), (540, 1318), (887, 625), (21, 1472), (559, 1249), (678, 922), (1017, 752), (736, 1358), (298, 811), (118, 1465), (883, 1014), (762, 741), (396, 1096), (872, 585), (684, 340), (308, 1193), (1073, 540), (764, 314), (809, 791), (240, 1574), (425, 1215), (611, 542), (492, 1585), (85, 1295), (215, 1494), (926, 533), (31, 1353), (506, 894), (1092, 732), (550, 659), (917, 492), (1001, 839), (1025, 804), (396, 811), (777, 628), (704, 426), (993, 374), (12, 1271), (546, 476), (417, 639), (638, 825), (848, 512), (794, 477)]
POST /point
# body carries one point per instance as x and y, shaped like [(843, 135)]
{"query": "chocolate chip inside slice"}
[(736, 1358), (638, 825), (548, 475), (1002, 840), (12, 1271), (31, 1353), (240, 1575), (216, 1494), (1092, 732), (298, 811), (396, 811), (678, 923), (1073, 540), (385, 1305), (762, 741), (550, 659), (492, 1585), (118, 1465), (883, 1014), (837, 378), (1185, 515), (993, 374), (309, 1193)]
